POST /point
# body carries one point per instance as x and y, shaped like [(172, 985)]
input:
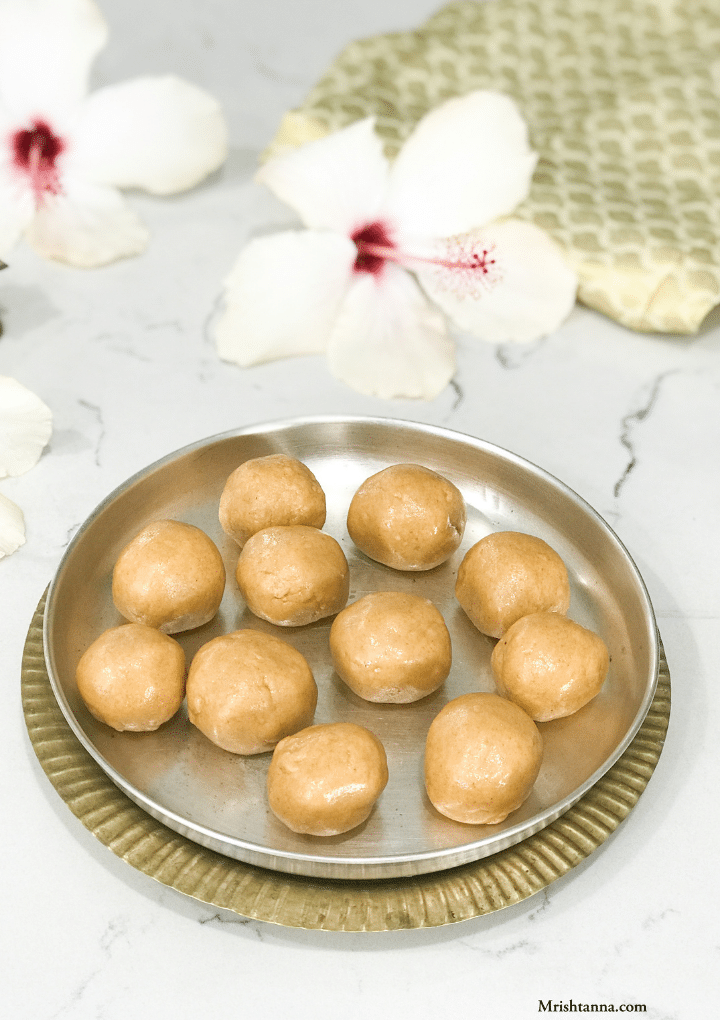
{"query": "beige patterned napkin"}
[(622, 98)]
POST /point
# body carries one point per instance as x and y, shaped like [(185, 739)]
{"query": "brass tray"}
[(218, 799), (423, 901)]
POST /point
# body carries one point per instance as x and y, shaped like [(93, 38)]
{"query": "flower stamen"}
[(463, 264), (35, 153), (466, 266)]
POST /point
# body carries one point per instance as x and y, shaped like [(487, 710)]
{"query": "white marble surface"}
[(123, 358)]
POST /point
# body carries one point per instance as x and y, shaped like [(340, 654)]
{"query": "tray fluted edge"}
[(423, 901)]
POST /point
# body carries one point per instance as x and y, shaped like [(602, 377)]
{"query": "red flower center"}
[(374, 247), (35, 153)]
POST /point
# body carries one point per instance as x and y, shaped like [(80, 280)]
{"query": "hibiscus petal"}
[(87, 225), (466, 163), (527, 293), (162, 134), (282, 296), (389, 341), (17, 209), (46, 49), (25, 427), (12, 526), (337, 182)]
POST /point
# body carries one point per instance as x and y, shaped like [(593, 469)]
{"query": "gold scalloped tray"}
[(422, 901)]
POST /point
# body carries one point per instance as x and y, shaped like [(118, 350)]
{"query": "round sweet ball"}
[(293, 575), (325, 780), (391, 647), (170, 576), (132, 677), (482, 757), (268, 491), (247, 690), (550, 666), (507, 575), (407, 517)]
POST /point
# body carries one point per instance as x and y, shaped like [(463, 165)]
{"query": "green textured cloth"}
[(622, 100)]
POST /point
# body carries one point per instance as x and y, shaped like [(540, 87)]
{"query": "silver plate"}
[(218, 799)]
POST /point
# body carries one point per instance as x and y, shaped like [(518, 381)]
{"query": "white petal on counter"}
[(12, 526), (88, 225), (159, 133), (25, 427)]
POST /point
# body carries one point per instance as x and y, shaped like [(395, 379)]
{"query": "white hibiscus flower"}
[(25, 429), (390, 247), (64, 154)]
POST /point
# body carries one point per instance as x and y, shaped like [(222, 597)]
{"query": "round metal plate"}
[(217, 799)]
